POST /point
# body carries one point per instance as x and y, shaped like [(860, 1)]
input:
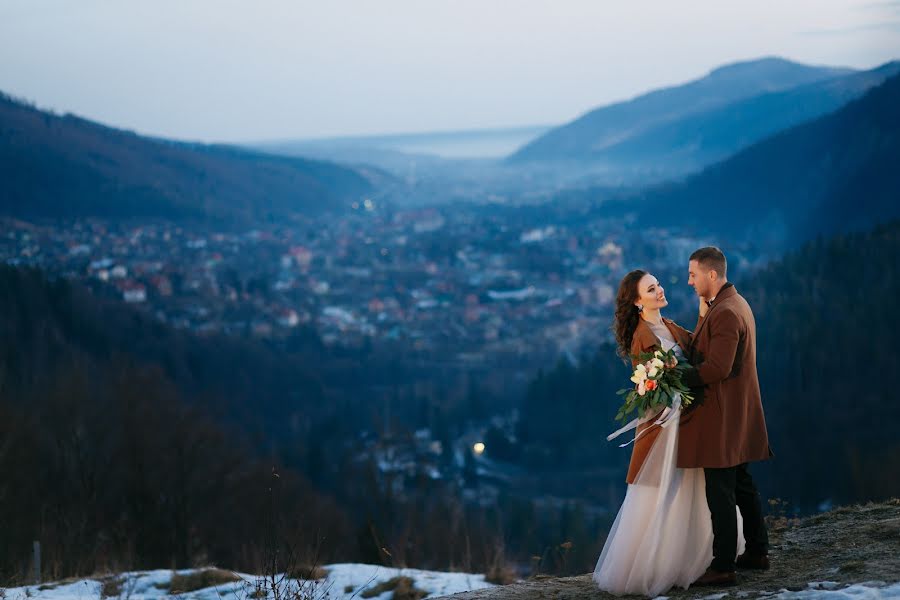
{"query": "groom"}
[(728, 429)]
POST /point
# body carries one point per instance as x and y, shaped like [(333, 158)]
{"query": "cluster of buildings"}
[(452, 283)]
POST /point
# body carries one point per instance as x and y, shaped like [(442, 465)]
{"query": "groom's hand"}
[(690, 376)]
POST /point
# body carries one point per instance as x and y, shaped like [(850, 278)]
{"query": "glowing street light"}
[(478, 448)]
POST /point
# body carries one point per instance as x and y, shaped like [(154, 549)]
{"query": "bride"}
[(662, 536)]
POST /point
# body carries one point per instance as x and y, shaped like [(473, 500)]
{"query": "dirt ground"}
[(852, 544)]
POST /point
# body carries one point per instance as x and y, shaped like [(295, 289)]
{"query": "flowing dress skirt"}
[(662, 536)]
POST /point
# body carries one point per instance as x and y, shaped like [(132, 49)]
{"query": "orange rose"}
[(651, 385)]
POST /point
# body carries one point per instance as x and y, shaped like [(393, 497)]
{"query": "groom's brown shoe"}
[(717, 578), (752, 561)]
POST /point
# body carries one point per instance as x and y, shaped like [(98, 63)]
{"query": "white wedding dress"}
[(662, 536)]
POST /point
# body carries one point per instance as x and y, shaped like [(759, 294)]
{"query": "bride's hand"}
[(704, 307)]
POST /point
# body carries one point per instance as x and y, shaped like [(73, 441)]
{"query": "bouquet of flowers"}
[(656, 378)]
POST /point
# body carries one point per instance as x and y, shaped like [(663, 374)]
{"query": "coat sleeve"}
[(725, 336), (641, 344)]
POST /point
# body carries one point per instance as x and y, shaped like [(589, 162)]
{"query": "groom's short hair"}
[(711, 259)]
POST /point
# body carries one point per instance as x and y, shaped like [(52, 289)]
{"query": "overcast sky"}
[(224, 70)]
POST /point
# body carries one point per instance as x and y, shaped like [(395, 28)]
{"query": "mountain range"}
[(695, 124), (65, 166), (834, 174)]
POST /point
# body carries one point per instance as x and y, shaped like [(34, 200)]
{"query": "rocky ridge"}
[(828, 552)]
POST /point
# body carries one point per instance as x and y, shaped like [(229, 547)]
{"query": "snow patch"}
[(344, 581), (827, 590)]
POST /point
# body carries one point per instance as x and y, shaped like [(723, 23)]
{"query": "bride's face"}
[(650, 293)]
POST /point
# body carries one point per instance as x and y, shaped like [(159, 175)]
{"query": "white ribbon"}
[(664, 420)]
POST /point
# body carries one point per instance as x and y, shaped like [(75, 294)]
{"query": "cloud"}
[(867, 27), (882, 4)]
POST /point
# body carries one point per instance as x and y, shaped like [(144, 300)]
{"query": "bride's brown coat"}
[(645, 341)]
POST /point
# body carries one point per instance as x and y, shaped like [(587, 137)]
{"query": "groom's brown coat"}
[(728, 428)]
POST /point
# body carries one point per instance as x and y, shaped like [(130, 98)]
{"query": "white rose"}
[(657, 354), (657, 363), (652, 372), (642, 389)]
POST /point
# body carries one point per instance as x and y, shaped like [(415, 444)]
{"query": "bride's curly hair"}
[(627, 315)]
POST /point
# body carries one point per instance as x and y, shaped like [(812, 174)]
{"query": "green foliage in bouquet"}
[(657, 378)]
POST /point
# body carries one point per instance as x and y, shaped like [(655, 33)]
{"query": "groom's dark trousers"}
[(726, 488)]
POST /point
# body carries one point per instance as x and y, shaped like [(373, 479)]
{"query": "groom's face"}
[(699, 279)]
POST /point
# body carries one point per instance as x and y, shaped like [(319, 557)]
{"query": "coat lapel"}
[(700, 327), (724, 294), (678, 336)]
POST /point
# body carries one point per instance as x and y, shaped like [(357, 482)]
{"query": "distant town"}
[(453, 284)]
